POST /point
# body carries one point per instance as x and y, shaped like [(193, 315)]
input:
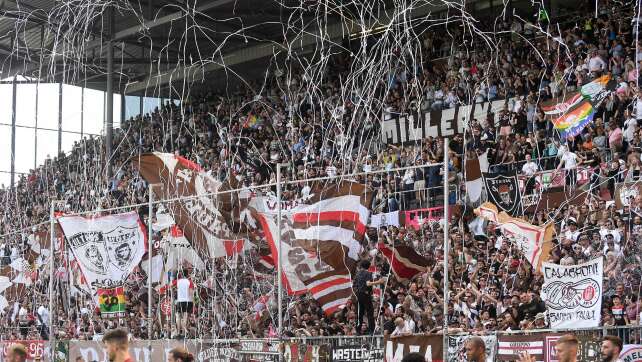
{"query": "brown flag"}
[(204, 215)]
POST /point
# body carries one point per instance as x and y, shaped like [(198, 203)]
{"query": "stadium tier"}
[(460, 173)]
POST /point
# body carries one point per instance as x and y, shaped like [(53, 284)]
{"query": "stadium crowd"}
[(491, 286)]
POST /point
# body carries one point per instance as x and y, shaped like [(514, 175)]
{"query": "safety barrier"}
[(500, 345)]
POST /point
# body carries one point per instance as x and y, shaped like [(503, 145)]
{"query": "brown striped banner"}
[(509, 347)]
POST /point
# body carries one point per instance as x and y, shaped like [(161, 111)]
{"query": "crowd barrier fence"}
[(499, 345)]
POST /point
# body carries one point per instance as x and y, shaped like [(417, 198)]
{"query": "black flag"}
[(503, 191)]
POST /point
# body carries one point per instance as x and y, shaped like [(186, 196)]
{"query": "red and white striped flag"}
[(320, 240), (403, 259)]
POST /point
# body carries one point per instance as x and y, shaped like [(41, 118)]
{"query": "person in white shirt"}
[(570, 161), (184, 301), (596, 64), (630, 126), (401, 328), (529, 169)]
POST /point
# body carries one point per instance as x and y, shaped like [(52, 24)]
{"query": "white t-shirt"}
[(638, 109), (403, 330), (629, 129), (570, 160), (596, 64), (44, 315), (529, 168), (183, 290)]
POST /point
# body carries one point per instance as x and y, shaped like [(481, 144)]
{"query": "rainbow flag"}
[(252, 121), (573, 122), (112, 302)]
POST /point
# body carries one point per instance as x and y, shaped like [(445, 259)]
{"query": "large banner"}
[(202, 208), (320, 239), (107, 248), (456, 344), (431, 347), (573, 294), (400, 128)]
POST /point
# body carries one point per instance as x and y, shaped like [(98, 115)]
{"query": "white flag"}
[(107, 248), (573, 294)]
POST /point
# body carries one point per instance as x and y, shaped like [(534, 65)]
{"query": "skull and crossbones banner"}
[(503, 191), (107, 248)]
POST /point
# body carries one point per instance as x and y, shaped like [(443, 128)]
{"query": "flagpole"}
[(150, 234), (52, 255), (446, 225), (278, 240)]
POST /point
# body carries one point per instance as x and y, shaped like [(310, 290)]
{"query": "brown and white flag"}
[(23, 271), (533, 240), (319, 240), (473, 175), (205, 216), (404, 260)]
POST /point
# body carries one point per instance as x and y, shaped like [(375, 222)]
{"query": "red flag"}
[(405, 262)]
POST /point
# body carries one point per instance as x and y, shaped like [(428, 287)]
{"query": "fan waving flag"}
[(205, 218), (319, 239), (403, 259)]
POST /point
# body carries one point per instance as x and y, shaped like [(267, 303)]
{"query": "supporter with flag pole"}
[(363, 284)]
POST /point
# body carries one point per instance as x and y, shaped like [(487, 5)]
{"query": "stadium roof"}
[(156, 42)]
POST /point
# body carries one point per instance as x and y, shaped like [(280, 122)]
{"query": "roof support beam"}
[(134, 30)]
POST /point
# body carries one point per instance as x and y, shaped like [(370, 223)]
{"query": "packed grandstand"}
[(582, 183)]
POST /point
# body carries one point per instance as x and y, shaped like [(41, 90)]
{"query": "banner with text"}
[(573, 294), (350, 352), (431, 347), (631, 353), (410, 127)]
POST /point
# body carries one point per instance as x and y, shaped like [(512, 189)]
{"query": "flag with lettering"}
[(207, 214), (320, 239), (106, 248), (573, 294)]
